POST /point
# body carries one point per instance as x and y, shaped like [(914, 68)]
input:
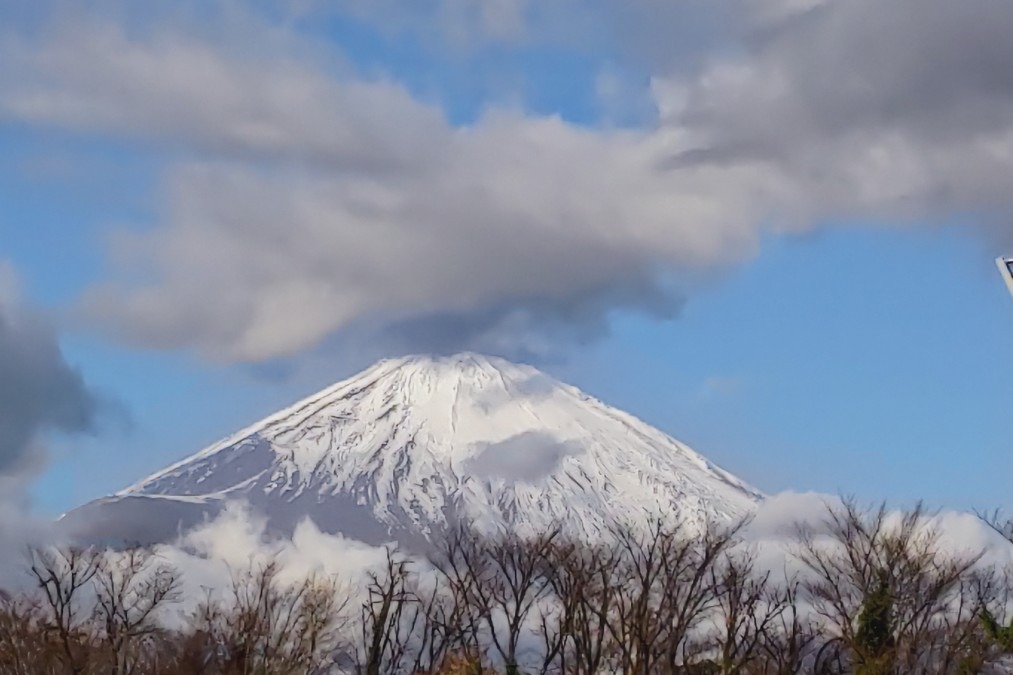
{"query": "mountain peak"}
[(459, 364), (464, 359), (410, 444)]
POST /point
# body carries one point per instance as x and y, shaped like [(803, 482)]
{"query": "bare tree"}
[(789, 645), (667, 591), (390, 617), (26, 647), (510, 593), (893, 600), (877, 596), (584, 580), (131, 588), (441, 635), (748, 610), (499, 582), (266, 626), (63, 578)]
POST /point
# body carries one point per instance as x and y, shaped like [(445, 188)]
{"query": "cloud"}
[(171, 87), (210, 554), (771, 533), (213, 554), (531, 328), (39, 391), (527, 457), (238, 537), (303, 201), (654, 33), (877, 110), (533, 217)]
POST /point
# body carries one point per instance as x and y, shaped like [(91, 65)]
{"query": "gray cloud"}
[(39, 390), (532, 330), (517, 218), (870, 108), (302, 203), (931, 67), (527, 457)]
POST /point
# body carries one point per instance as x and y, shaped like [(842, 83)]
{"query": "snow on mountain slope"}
[(410, 444)]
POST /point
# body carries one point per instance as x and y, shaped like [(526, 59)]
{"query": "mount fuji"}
[(410, 445)]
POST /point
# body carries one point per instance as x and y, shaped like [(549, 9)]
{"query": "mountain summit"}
[(411, 444)]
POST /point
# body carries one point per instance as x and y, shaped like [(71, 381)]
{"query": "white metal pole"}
[(1005, 266)]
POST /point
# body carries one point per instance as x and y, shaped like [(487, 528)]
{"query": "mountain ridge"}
[(408, 445)]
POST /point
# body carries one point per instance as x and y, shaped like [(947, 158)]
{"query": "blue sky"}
[(222, 210)]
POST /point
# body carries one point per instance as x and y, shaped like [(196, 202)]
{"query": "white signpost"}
[(1005, 266)]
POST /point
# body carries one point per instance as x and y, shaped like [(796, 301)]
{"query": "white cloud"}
[(209, 556), (771, 534), (238, 537)]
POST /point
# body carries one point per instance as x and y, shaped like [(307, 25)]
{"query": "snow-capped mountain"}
[(411, 444)]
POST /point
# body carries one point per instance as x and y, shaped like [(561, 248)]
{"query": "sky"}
[(765, 226)]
